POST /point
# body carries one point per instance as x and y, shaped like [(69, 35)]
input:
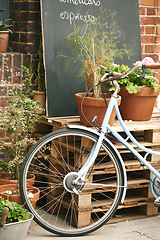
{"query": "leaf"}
[(131, 88)]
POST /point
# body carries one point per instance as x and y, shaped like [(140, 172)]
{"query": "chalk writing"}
[(96, 3), (72, 17)]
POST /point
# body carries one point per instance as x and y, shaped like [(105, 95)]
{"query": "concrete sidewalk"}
[(142, 229)]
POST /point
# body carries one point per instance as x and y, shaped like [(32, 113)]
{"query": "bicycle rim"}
[(61, 211)]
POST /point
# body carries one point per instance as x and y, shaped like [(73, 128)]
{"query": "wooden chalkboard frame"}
[(61, 84)]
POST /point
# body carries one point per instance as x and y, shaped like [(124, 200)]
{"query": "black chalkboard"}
[(57, 20)]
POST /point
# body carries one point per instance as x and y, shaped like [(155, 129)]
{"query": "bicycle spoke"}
[(55, 161)]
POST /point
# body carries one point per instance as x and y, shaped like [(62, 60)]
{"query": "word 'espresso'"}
[(83, 2), (72, 17)]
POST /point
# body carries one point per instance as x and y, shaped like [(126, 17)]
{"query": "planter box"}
[(17, 230)]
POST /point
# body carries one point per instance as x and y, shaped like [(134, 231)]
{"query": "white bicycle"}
[(81, 175)]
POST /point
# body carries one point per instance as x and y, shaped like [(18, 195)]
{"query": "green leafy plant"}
[(16, 211), (38, 71), (133, 82), (27, 80), (18, 120), (4, 26), (94, 44)]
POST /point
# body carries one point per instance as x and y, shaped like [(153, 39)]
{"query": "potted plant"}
[(4, 34), (94, 44), (7, 174), (14, 220), (18, 119), (138, 94), (38, 78)]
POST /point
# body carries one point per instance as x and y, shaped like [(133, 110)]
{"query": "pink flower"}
[(138, 63), (148, 60)]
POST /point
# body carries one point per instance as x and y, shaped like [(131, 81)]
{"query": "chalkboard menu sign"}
[(58, 17)]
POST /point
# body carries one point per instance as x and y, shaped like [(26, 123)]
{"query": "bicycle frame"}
[(106, 127)]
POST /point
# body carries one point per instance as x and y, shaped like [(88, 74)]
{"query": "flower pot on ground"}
[(10, 192), (138, 106), (39, 96), (4, 36), (5, 178), (14, 220), (38, 79), (94, 107)]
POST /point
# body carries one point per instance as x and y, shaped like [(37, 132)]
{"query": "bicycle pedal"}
[(157, 202)]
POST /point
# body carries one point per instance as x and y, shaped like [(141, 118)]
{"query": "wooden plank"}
[(131, 125), (147, 133)]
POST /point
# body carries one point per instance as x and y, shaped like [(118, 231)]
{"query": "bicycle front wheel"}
[(59, 209)]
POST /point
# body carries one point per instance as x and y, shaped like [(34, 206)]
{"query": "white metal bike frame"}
[(104, 129)]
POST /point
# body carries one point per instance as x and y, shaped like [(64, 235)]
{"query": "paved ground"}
[(143, 229)]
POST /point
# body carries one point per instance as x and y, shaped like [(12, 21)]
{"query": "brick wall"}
[(25, 15), (27, 31), (149, 11)]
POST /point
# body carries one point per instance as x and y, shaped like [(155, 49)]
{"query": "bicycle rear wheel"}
[(58, 209)]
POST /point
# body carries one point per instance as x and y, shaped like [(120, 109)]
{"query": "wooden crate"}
[(139, 201)]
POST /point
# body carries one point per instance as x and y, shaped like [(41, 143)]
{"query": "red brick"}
[(157, 20), (150, 30), (141, 11), (147, 20), (149, 48), (151, 11), (147, 39), (148, 2), (157, 48), (157, 38), (142, 48), (158, 30), (142, 29)]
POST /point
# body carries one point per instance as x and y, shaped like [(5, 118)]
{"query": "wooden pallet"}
[(139, 199)]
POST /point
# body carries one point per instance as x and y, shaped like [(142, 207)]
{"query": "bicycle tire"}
[(58, 210)]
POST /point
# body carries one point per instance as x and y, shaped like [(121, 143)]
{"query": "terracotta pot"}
[(4, 41), (40, 97), (17, 198), (139, 106), (94, 107), (5, 179)]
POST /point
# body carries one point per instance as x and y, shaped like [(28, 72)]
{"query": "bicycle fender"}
[(78, 127)]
